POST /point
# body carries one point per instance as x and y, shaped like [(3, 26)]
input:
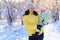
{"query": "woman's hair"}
[(27, 13)]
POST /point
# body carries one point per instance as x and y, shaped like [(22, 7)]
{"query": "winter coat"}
[(30, 22), (44, 16)]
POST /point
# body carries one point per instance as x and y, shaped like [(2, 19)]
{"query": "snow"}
[(17, 31), (51, 31)]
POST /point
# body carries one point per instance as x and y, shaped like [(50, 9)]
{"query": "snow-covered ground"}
[(52, 31), (13, 32), (18, 32)]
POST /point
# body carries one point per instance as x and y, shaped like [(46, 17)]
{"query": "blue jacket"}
[(44, 16)]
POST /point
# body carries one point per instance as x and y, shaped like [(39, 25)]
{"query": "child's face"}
[(42, 11)]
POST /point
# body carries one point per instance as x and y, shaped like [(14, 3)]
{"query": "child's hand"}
[(47, 23)]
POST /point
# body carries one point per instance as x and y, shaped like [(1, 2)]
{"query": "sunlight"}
[(21, 0), (17, 1), (0, 0)]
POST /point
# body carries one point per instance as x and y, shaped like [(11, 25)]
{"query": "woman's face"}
[(31, 10)]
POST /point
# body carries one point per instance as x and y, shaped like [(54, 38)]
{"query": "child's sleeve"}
[(47, 16)]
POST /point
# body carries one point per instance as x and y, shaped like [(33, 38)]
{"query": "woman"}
[(30, 21)]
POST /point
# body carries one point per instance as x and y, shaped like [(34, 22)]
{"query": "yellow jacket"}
[(30, 22)]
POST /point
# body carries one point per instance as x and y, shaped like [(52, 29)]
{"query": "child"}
[(43, 20)]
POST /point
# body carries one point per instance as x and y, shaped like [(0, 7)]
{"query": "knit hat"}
[(30, 5), (45, 8)]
